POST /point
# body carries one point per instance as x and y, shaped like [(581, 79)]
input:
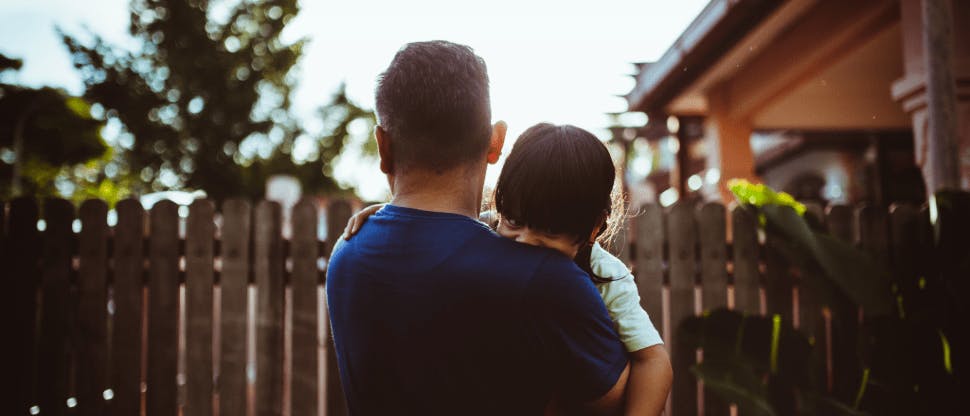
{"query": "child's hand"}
[(358, 219)]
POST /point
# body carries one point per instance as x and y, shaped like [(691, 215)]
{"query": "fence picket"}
[(926, 253), (712, 233), (907, 254), (713, 251), (21, 296), (161, 398), (904, 220), (809, 308), (844, 378), (268, 269), (338, 212), (304, 280), (199, 282), (649, 271), (55, 302), (233, 285), (838, 221), (92, 363), (778, 279), (682, 233), (873, 238), (127, 288), (747, 292), (874, 232)]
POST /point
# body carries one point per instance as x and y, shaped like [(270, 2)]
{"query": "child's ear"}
[(497, 141), (384, 150)]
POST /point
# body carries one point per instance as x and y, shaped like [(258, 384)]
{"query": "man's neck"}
[(458, 191)]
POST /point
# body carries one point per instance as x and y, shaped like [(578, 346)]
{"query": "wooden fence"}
[(683, 267), (135, 318), (229, 318)]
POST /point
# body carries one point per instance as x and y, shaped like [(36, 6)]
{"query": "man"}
[(432, 312)]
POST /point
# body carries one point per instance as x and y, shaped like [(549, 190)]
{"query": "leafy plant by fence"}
[(887, 306), (136, 317)]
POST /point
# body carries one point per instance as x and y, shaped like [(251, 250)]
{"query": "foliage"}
[(759, 195), (53, 132), (905, 357), (8, 63), (205, 99)]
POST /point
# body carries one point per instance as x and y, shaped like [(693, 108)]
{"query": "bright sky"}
[(557, 61)]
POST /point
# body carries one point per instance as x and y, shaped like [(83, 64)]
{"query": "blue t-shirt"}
[(433, 313)]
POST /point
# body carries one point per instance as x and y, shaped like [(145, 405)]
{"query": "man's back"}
[(432, 313)]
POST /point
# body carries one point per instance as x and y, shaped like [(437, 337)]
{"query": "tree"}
[(205, 102), (45, 133)]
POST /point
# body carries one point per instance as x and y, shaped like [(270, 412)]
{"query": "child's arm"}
[(650, 370), (358, 219), (650, 378)]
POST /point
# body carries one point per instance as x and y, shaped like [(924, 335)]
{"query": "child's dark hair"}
[(560, 179)]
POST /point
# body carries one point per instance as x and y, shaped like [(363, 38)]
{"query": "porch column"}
[(935, 89), (729, 151)]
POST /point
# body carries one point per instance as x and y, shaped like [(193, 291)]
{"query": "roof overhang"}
[(796, 64), (715, 31)]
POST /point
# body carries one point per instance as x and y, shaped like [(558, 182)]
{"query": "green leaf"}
[(760, 195), (852, 270), (735, 384), (814, 404)]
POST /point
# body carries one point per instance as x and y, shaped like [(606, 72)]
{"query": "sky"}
[(563, 61)]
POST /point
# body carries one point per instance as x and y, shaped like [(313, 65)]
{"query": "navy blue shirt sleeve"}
[(574, 332)]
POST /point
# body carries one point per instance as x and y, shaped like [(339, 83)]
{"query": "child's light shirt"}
[(622, 301)]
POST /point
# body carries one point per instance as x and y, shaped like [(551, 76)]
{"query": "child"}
[(556, 191)]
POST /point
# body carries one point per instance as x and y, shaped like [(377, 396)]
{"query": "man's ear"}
[(384, 150), (497, 141)]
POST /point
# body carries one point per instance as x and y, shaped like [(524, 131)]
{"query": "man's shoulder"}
[(559, 279)]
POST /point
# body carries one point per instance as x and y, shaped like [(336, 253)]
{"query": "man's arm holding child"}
[(589, 366)]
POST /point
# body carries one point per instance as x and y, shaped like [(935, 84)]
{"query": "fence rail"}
[(229, 318)]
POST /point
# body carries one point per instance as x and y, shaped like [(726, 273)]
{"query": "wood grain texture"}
[(682, 237), (127, 292), (234, 283), (338, 212), (161, 398), (55, 326), (304, 283), (268, 270), (23, 245), (92, 363), (199, 282), (712, 234), (650, 263), (747, 276)]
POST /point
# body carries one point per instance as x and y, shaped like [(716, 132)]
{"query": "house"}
[(858, 101)]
